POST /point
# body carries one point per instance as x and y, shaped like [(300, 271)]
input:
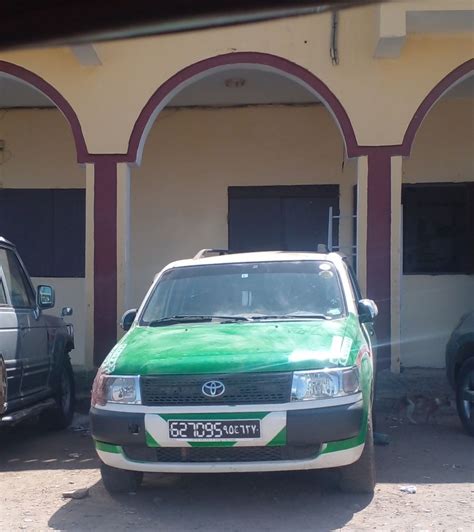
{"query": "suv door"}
[(32, 344), (9, 336)]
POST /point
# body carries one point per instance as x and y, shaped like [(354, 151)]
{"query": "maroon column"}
[(105, 258), (378, 246)]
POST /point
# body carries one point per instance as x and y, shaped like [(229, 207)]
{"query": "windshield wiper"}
[(292, 317), (189, 318)]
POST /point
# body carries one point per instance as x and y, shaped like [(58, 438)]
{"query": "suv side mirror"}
[(367, 310), (45, 297), (128, 318)]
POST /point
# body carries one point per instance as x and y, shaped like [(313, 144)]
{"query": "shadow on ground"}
[(270, 501), (30, 446), (424, 454)]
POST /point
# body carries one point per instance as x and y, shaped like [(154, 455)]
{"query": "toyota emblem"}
[(213, 389)]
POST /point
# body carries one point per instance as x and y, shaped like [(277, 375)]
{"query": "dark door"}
[(288, 218)]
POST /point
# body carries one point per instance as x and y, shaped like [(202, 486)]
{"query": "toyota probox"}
[(240, 363)]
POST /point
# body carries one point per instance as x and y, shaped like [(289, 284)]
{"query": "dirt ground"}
[(36, 467)]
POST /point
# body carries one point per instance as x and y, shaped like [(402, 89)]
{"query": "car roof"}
[(258, 256)]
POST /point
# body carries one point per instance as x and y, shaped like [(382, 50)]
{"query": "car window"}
[(249, 289), (16, 283)]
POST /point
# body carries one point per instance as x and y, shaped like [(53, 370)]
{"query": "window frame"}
[(468, 186)]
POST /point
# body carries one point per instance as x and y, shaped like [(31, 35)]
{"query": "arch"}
[(57, 98), (193, 72), (448, 82)]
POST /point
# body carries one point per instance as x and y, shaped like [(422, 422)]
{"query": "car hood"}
[(236, 347)]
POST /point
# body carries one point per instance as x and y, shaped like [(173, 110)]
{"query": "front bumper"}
[(308, 438)]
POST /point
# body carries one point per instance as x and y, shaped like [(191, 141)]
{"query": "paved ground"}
[(37, 467)]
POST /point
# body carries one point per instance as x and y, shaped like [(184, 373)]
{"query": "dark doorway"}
[(287, 218)]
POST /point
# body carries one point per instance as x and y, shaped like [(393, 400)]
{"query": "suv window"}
[(3, 294), (20, 292)]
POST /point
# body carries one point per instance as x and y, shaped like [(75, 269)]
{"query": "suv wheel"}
[(120, 480), (61, 416), (465, 395), (359, 477)]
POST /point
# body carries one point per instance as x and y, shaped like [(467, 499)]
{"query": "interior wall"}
[(40, 153), (431, 305), (179, 193)]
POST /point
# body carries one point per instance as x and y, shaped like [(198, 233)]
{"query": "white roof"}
[(259, 256)]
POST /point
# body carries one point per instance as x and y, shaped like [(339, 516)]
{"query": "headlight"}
[(123, 390), (111, 389), (324, 384)]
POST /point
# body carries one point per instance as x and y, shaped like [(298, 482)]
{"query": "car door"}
[(9, 336), (32, 347)]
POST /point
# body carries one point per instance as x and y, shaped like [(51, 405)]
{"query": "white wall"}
[(431, 305), (179, 194), (40, 153)]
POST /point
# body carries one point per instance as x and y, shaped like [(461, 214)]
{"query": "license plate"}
[(214, 430)]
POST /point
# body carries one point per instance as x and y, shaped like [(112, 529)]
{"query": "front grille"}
[(241, 388), (220, 454)]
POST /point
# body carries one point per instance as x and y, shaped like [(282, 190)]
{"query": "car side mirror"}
[(367, 309), (128, 318), (66, 311), (45, 297)]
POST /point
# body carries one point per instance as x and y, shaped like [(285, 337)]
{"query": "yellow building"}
[(116, 158)]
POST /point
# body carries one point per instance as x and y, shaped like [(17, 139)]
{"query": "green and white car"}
[(240, 363)]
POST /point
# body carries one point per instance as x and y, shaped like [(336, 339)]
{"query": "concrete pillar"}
[(89, 268), (105, 257), (123, 242), (379, 235), (396, 272), (361, 234), (346, 222)]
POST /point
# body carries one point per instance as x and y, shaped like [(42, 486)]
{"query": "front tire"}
[(465, 395), (359, 477), (61, 416), (120, 480)]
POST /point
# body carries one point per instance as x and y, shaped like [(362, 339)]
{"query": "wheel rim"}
[(65, 392), (467, 396)]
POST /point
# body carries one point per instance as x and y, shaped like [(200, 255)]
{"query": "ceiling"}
[(221, 89), (259, 87), (16, 93)]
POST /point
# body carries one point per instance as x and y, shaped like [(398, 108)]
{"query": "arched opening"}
[(437, 285), (42, 190), (243, 156)]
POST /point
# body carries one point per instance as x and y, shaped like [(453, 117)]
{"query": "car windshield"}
[(247, 291)]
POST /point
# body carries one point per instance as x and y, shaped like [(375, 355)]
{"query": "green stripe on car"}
[(108, 447)]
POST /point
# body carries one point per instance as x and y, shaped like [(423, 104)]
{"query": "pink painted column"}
[(105, 257), (379, 246)]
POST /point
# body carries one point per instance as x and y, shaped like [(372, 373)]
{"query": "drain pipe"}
[(334, 52)]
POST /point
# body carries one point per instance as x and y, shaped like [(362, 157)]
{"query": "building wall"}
[(431, 305), (179, 193), (379, 95), (40, 153)]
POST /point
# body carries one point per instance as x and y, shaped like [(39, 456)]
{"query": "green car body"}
[(136, 435)]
